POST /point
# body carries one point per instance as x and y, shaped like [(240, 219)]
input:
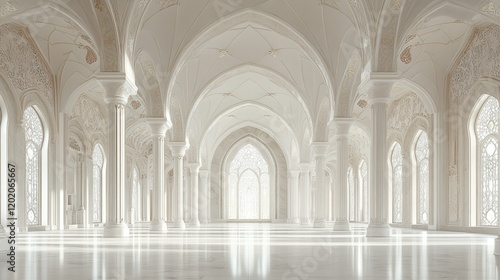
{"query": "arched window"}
[(363, 177), (422, 169), (98, 162), (135, 193), (486, 129), (352, 194), (249, 185), (397, 184), (34, 139)]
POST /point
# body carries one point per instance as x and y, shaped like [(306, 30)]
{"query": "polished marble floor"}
[(253, 251)]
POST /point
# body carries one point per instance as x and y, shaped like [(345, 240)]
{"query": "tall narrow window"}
[(422, 160), (98, 160), (135, 193), (249, 185), (34, 139), (363, 172), (397, 184), (487, 149)]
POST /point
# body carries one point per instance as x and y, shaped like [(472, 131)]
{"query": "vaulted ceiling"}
[(214, 66)]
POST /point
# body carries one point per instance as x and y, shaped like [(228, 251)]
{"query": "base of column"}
[(378, 230), (341, 226), (319, 223), (295, 221), (113, 231), (305, 222), (179, 224), (497, 246), (159, 226), (204, 221), (195, 223)]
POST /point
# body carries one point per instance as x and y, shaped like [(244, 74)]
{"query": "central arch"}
[(249, 179)]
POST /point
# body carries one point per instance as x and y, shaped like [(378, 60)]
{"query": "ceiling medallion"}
[(223, 53), (273, 52), (227, 94)]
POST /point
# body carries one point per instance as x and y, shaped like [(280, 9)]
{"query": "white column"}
[(158, 128), (293, 177), (117, 89), (379, 98), (144, 197), (178, 152), (187, 195), (319, 150), (203, 198), (304, 193), (81, 215), (194, 168), (341, 215)]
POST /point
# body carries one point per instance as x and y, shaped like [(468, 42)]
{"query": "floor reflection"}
[(253, 251)]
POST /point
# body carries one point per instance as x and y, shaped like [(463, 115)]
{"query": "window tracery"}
[(34, 139), (397, 184), (249, 185), (98, 161), (487, 139), (422, 159)]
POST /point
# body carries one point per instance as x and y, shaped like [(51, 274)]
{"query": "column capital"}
[(294, 173), (204, 173), (379, 86), (320, 148), (305, 167), (178, 148), (117, 87), (342, 125), (159, 126), (194, 167)]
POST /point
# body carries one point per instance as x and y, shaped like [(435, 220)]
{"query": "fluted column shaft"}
[(158, 128), (118, 89), (194, 168), (293, 176), (203, 199), (304, 193), (319, 154), (341, 213), (178, 152), (379, 98)]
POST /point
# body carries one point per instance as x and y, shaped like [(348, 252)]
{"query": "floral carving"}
[(480, 59), (22, 63), (91, 56), (491, 9), (88, 113), (99, 5), (406, 55), (135, 104), (404, 110), (7, 9), (73, 144)]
